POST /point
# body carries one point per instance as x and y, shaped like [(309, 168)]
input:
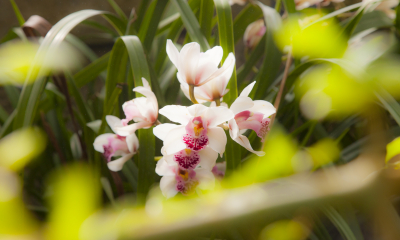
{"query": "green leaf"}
[(140, 14), (255, 55), (146, 163), (18, 13), (150, 22), (7, 126), (290, 6), (109, 107), (397, 20), (173, 34), (191, 24), (80, 102), (270, 67), (118, 10), (352, 24), (91, 71), (248, 15), (225, 30), (13, 94), (206, 16)]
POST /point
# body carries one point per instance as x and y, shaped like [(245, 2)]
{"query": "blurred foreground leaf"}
[(21, 146)]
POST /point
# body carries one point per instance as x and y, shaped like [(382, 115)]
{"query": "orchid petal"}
[(116, 165), (175, 113), (263, 107), (173, 141), (168, 186), (188, 59), (233, 128), (217, 115), (131, 128), (163, 169), (197, 110), (217, 139), (241, 104), (208, 157), (102, 140), (133, 143), (246, 91), (172, 53), (162, 130), (113, 122), (226, 67), (244, 141)]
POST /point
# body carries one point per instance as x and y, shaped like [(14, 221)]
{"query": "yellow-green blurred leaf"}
[(277, 161), (21, 146), (392, 149), (345, 93), (319, 40), (284, 230), (323, 152), (15, 220), (75, 198)]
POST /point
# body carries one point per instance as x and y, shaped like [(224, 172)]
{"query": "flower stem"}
[(191, 94), (217, 102)]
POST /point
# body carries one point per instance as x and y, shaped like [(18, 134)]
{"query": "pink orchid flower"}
[(112, 145), (252, 115), (142, 110)]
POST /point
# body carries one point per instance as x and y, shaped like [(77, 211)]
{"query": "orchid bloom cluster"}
[(192, 144), (144, 112)]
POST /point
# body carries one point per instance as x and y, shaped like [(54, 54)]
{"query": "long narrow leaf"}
[(248, 15), (191, 24), (150, 22)]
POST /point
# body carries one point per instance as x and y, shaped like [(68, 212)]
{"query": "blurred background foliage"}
[(331, 164)]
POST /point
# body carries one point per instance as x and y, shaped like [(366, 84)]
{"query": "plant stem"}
[(217, 102), (191, 94)]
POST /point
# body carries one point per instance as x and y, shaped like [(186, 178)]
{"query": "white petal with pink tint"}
[(173, 141), (241, 104), (208, 157), (197, 110), (176, 113), (162, 130), (217, 139), (168, 186), (102, 140), (241, 139), (172, 53), (113, 122), (246, 91), (133, 143), (131, 128), (217, 115), (263, 107), (117, 164)]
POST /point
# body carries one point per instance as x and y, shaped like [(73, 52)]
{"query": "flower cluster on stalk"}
[(192, 143), (191, 146)]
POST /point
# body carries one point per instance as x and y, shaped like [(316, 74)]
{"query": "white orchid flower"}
[(196, 68), (112, 145), (199, 128), (254, 32), (176, 179), (252, 115), (142, 110)]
